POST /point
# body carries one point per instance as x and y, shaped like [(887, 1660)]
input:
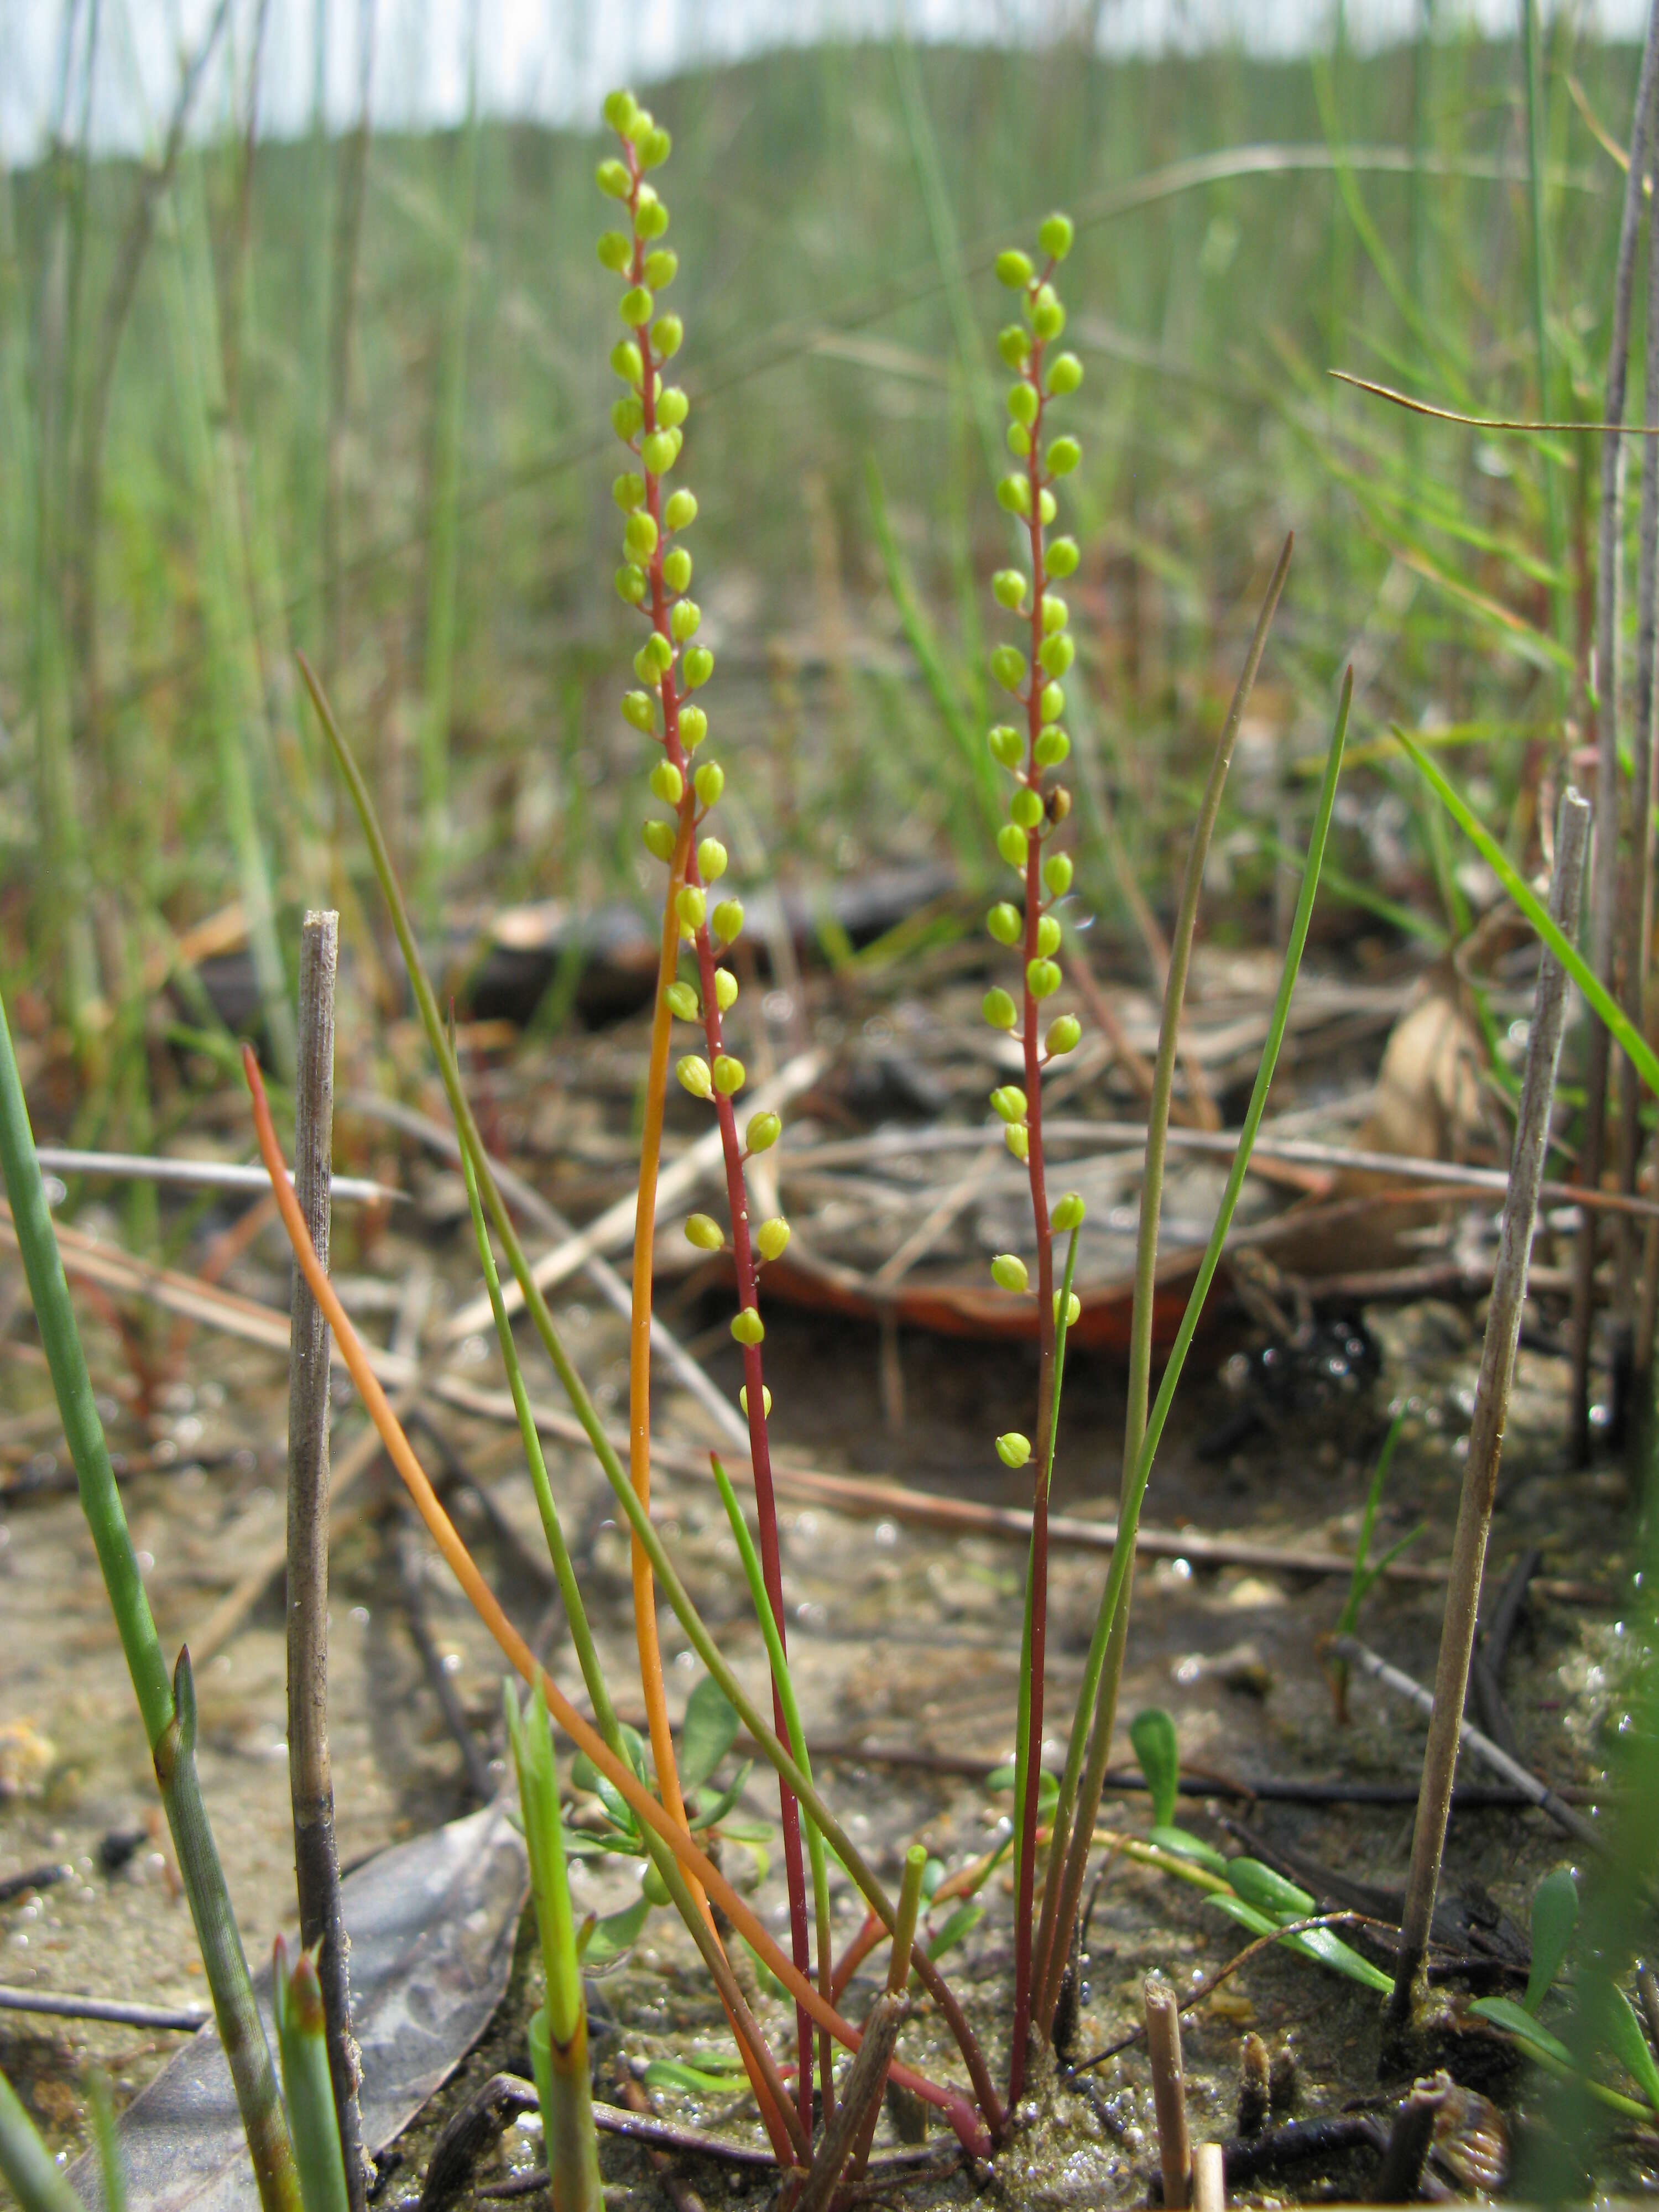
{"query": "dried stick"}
[(311, 1787), (1209, 2179), (1168, 2087), (1491, 1408), (860, 2104)]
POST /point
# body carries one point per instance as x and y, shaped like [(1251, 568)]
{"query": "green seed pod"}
[(748, 1327), (1025, 807), (728, 921), (1007, 744), (1073, 1308), (681, 511), (627, 417), (1065, 374), (655, 657), (999, 1009), (1042, 978), (658, 838), (676, 568), (1057, 873), (772, 1237), (1056, 614), (1068, 1215), (729, 1075), (1019, 441), (625, 360), (1062, 556), (612, 178), (708, 782), (638, 123), (1051, 703), (1064, 454), (1013, 269), (711, 859), (620, 109), (1047, 316), (1013, 1450), (1056, 653), (667, 336), (616, 251), (650, 215), (705, 1232), (1047, 935), (1052, 746), (630, 583), (690, 907), (1005, 923), (1060, 803), (654, 149), (639, 537), (1008, 589), (1046, 508), (683, 1000), (661, 268), (766, 1400), (763, 1133), (1010, 843), (635, 306), (693, 727), (699, 665), (1014, 344), (667, 783), (1055, 235), (1008, 666), (640, 709), (693, 1072), (725, 989), (673, 407), (685, 620), (1017, 1138), (1008, 1272), (1008, 1102), (1022, 402), (660, 453), (1014, 493), (1064, 1035)]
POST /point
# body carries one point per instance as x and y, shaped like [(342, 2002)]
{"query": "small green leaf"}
[(671, 2074), (617, 1933), (585, 1844), (713, 1805), (962, 1921), (748, 1831), (1180, 1845), (1517, 2020), (1554, 1916), (932, 1874), (1152, 1733), (1267, 1891), (710, 1731), (1630, 2046), (1318, 1944)]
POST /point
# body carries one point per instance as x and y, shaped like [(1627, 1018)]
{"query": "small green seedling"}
[(1152, 1733), (1365, 1574)]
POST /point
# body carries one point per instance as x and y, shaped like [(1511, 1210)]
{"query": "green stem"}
[(30, 2170), (307, 2082)]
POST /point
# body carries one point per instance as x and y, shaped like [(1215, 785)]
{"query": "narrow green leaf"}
[(710, 1731), (1181, 1845), (1555, 1917), (1152, 1733), (962, 1921), (695, 2080), (1503, 2012), (1630, 2047), (1268, 1892), (617, 1933)]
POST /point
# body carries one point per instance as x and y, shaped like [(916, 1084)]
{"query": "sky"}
[(555, 59)]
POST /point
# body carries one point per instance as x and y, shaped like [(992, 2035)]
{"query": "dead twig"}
[(1174, 2150)]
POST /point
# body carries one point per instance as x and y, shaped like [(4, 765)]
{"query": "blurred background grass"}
[(348, 393)]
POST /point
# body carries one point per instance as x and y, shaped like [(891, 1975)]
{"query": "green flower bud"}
[(1056, 614), (1063, 1035), (729, 1076), (1013, 1450), (1008, 589), (1008, 666), (635, 306), (1010, 843), (1047, 935), (763, 1133), (1019, 441), (1014, 493), (1068, 1215), (705, 1232), (616, 251), (1062, 556), (654, 149), (1025, 807), (676, 568), (1022, 402), (620, 109), (658, 838), (1042, 978), (681, 511), (1014, 344), (1057, 873), (638, 123), (1008, 1102), (1056, 653), (748, 1327), (1008, 1272), (690, 907), (685, 620), (625, 360), (772, 1237), (1051, 703), (655, 657), (1013, 269), (1073, 1308), (612, 178), (699, 665), (661, 268), (1064, 454), (711, 859), (639, 537), (1052, 746), (639, 708), (693, 727), (1047, 316), (1055, 236), (1007, 744), (630, 583), (1005, 923), (673, 407), (693, 1072), (667, 335), (658, 452), (627, 417), (725, 989), (667, 783), (683, 1000), (1065, 374), (1046, 508), (650, 215), (999, 1009), (1017, 1138), (766, 1400), (708, 782), (728, 921)]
